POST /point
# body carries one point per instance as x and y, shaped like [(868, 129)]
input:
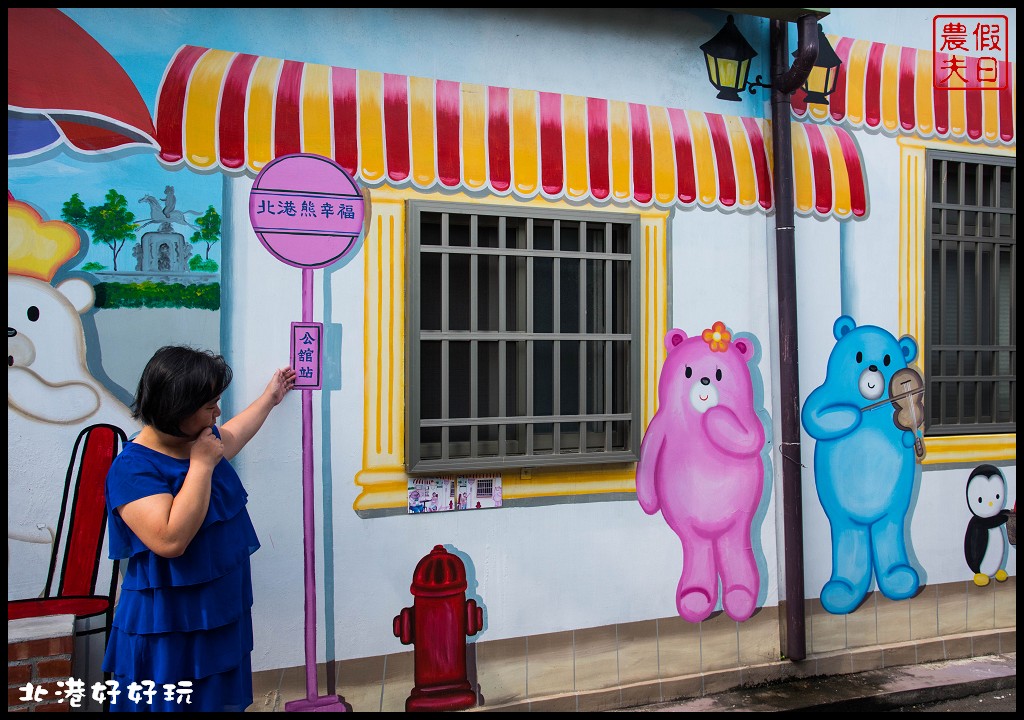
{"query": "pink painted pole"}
[(308, 522), (313, 702)]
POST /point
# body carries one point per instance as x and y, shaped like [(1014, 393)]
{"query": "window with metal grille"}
[(971, 294), (484, 487), (523, 337)]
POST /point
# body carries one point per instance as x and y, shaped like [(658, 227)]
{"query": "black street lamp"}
[(821, 80), (728, 54)]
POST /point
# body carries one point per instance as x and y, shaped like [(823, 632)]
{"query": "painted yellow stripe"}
[(841, 203), (653, 340), (803, 179), (574, 131), (703, 158), (474, 122), (855, 76), (664, 157), (924, 107), (260, 113), (618, 119), (743, 161), (769, 146), (957, 106), (525, 155), (371, 124), (316, 117), (201, 108), (990, 114), (890, 87), (970, 449), (421, 131)]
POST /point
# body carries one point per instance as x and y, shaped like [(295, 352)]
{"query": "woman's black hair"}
[(177, 381)]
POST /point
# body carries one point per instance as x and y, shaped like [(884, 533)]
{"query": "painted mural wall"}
[(501, 108)]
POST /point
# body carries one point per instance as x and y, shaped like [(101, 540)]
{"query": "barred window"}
[(523, 337), (970, 323)]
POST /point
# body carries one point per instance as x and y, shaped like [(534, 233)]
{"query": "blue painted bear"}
[(864, 465)]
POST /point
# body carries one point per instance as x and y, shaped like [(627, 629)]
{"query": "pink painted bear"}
[(700, 464)]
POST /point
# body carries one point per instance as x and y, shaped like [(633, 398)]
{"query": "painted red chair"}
[(78, 543)]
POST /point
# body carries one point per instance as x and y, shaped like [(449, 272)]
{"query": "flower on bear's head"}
[(717, 337)]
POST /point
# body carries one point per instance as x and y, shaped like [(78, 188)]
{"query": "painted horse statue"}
[(166, 216)]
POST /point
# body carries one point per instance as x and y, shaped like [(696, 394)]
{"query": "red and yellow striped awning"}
[(891, 88), (236, 112)]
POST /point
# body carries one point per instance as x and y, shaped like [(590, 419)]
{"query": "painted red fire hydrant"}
[(438, 623)]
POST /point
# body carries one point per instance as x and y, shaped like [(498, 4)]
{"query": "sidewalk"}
[(873, 690)]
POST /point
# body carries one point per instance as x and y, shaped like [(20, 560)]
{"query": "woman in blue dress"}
[(182, 631)]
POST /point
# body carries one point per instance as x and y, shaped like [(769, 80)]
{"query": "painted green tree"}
[(209, 229), (110, 224)]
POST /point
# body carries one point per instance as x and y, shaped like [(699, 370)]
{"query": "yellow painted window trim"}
[(913, 224), (382, 479)]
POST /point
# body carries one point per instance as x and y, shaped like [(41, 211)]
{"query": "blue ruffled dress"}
[(185, 618)]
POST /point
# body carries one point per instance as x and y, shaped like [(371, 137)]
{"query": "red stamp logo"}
[(970, 52)]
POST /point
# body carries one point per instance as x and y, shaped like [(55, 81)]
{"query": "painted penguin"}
[(985, 544)]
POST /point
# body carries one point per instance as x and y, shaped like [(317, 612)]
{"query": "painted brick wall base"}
[(40, 652)]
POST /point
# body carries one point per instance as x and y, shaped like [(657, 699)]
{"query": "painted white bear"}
[(51, 393)]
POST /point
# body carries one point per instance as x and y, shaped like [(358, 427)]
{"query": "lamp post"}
[(728, 54), (814, 68)]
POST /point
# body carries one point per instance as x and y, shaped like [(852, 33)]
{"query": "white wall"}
[(555, 566)]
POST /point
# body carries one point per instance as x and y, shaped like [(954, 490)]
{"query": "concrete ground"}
[(874, 690)]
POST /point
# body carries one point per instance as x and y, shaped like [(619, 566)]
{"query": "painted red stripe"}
[(873, 85), (723, 160), (346, 130), (837, 100), (90, 138), (41, 607), (551, 143), (940, 97), (498, 142), (396, 125), (762, 172), (822, 169), (85, 538), (447, 101), (231, 120), (1006, 127), (798, 103), (643, 169), (171, 104), (287, 123), (858, 190), (686, 180), (597, 147), (908, 70), (975, 111)]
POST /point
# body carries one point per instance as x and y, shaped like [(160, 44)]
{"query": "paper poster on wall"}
[(443, 494), (431, 495), (478, 492)]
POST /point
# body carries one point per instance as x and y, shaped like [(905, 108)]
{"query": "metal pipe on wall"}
[(785, 80)]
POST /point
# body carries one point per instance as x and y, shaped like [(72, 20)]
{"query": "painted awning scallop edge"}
[(235, 112)]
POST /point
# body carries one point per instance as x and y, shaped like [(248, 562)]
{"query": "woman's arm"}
[(240, 429), (167, 523)]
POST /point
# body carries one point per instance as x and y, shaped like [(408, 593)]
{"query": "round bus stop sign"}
[(306, 210)]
